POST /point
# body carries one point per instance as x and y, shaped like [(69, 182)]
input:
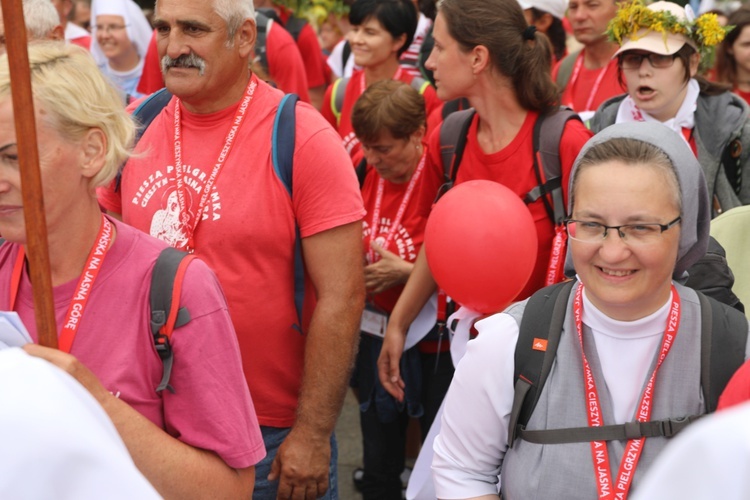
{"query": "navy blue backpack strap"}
[(164, 299), (282, 151), (144, 114)]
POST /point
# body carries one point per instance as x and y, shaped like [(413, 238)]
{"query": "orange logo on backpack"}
[(539, 345)]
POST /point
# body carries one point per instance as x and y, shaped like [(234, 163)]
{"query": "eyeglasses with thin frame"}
[(633, 60), (110, 28), (632, 234)]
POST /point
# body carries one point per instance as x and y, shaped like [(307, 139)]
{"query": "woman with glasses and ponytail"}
[(661, 49), (626, 367)]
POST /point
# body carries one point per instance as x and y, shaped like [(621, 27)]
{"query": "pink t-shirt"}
[(513, 167), (211, 407), (247, 231), (354, 89)]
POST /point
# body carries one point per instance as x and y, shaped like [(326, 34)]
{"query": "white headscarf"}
[(137, 26)]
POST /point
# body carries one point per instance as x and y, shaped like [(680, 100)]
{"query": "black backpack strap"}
[(282, 151), (144, 114), (548, 131), (618, 432), (263, 24), (164, 299), (345, 53), (731, 159), (453, 133), (294, 26), (722, 347), (450, 107), (361, 172), (539, 335)]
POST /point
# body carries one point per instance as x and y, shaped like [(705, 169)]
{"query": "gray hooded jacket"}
[(719, 121)]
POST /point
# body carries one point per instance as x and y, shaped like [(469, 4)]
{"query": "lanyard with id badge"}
[(374, 321)]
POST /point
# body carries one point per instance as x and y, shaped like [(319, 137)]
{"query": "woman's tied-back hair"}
[(499, 25), (398, 17), (388, 105), (726, 65), (629, 152), (72, 96)]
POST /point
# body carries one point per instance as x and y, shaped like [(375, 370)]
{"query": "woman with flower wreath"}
[(661, 48)]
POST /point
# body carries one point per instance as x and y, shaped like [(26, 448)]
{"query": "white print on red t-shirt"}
[(167, 223), (402, 243), (349, 142)]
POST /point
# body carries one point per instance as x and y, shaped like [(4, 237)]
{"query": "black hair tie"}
[(529, 33)]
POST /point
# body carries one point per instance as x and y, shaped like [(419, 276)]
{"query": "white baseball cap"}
[(555, 7)]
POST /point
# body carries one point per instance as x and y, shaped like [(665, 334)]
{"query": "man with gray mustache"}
[(184, 61), (211, 145)]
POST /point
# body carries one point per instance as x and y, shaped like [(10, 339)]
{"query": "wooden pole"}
[(37, 251)]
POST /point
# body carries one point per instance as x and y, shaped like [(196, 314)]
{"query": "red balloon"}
[(481, 245)]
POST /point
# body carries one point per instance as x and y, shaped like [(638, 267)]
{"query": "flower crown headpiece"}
[(315, 11), (704, 31)]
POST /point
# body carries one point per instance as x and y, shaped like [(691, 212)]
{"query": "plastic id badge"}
[(373, 323)]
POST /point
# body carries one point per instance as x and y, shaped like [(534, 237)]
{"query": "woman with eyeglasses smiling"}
[(121, 38), (629, 356), (662, 47)]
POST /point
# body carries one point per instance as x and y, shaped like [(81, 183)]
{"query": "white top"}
[(470, 448), (709, 460), (334, 61), (57, 442)]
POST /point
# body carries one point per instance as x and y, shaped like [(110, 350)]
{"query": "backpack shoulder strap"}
[(263, 24), (723, 340), (294, 26), (539, 335), (453, 133), (566, 69), (450, 107), (144, 114), (166, 313), (337, 96), (345, 53), (547, 134), (282, 153), (419, 84), (731, 159), (361, 172)]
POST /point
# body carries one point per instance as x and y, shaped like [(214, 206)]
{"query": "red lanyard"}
[(557, 256), (599, 452), (375, 228), (363, 87), (85, 284), (179, 170), (597, 83)]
